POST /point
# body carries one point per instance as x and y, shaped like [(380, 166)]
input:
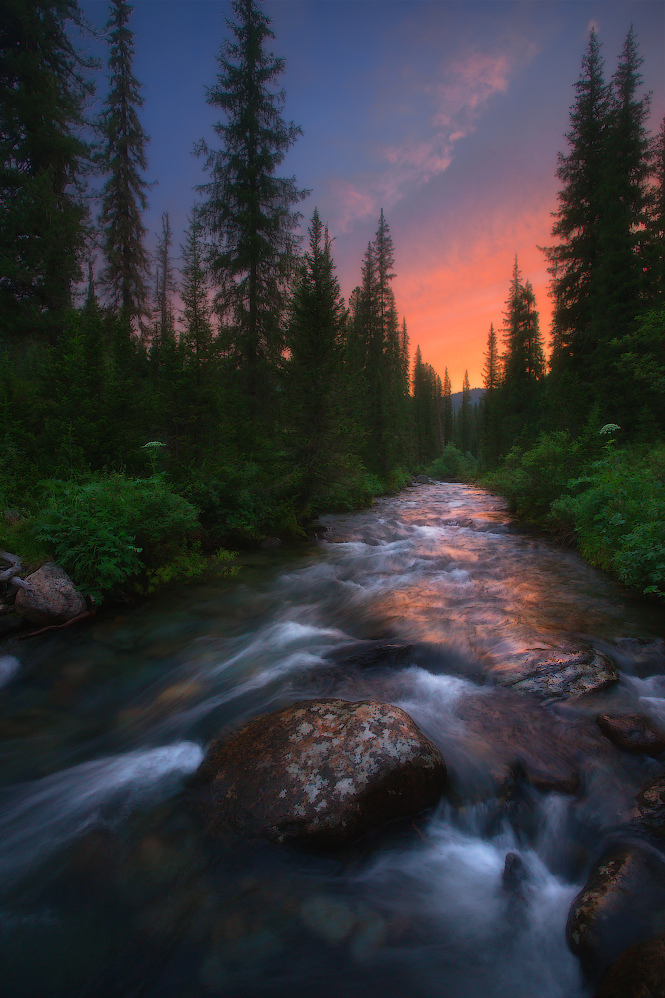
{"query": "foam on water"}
[(39, 817), (9, 666), (486, 938), (650, 694)]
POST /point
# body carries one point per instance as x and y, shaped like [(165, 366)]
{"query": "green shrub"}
[(618, 513), (107, 530), (355, 492), (531, 479), (452, 466), (187, 566), (244, 502)]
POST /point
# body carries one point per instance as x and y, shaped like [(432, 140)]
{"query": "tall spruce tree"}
[(656, 222), (465, 415), (43, 163), (524, 360), (201, 400), (383, 353), (580, 219), (447, 409), (165, 285), (197, 332), (489, 409), (492, 366), (621, 267), (427, 418), (313, 374), (123, 159), (247, 210)]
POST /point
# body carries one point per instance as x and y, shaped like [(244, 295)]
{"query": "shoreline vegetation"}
[(168, 411)]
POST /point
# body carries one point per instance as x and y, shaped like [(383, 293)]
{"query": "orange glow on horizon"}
[(449, 307)]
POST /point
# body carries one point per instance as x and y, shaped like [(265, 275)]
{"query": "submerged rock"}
[(621, 904), (530, 739), (51, 598), (632, 732), (648, 813), (638, 973), (560, 675), (320, 772)]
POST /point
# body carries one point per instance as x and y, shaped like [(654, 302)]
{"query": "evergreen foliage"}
[(262, 400), (43, 164), (248, 210), (123, 158), (580, 218), (319, 431), (379, 349)]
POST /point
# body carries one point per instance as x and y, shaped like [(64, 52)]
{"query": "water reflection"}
[(422, 601)]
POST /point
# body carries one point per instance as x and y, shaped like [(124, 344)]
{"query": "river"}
[(109, 886)]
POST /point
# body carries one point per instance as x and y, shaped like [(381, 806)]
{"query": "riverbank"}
[(125, 538), (607, 500)]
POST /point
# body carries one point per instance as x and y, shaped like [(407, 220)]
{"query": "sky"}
[(448, 114)]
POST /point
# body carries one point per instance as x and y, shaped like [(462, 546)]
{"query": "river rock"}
[(530, 739), (51, 598), (632, 732), (320, 772), (559, 675), (638, 973), (621, 904), (647, 815)]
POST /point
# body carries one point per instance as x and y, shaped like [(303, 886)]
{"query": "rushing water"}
[(109, 886)]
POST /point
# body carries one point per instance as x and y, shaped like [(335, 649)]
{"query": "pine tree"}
[(165, 284), (465, 415), (655, 234), (314, 378), (492, 367), (447, 409), (580, 217), (43, 163), (382, 351), (427, 411), (524, 359), (194, 292), (621, 283), (123, 158), (248, 211), (201, 399)]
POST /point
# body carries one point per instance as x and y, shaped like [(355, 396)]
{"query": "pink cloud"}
[(350, 203), (453, 106)]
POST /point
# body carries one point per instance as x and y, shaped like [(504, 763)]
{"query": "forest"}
[(161, 411)]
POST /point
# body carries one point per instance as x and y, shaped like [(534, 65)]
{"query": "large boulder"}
[(51, 598), (620, 905), (320, 772), (638, 973)]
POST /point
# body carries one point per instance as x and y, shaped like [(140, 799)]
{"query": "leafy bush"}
[(97, 530), (186, 566), (353, 493), (618, 513), (243, 502), (532, 479), (452, 466)]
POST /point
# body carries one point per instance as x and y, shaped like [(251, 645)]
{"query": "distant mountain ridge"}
[(476, 395)]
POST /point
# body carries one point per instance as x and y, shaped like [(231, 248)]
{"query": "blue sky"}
[(448, 115)]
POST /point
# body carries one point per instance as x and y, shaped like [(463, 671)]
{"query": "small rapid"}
[(433, 600)]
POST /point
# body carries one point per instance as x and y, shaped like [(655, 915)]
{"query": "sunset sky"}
[(448, 115)]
